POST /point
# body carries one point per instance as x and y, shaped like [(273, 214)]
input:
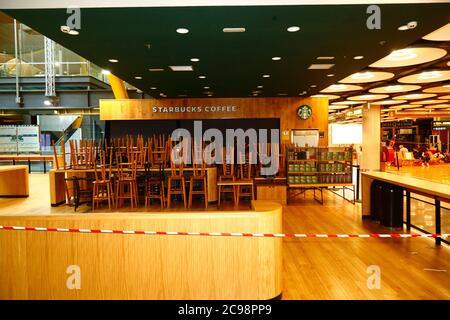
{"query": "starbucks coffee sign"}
[(207, 109)]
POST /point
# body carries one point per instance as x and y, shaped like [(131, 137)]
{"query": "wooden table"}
[(125, 266), (303, 187), (27, 157), (58, 191), (14, 181), (438, 191)]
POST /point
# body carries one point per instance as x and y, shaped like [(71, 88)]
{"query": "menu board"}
[(8, 139), (28, 139)]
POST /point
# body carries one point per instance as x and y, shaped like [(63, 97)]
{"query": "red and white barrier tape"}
[(230, 234)]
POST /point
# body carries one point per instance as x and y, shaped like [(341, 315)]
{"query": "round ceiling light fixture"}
[(438, 89), (388, 102), (341, 88), (293, 29), (276, 58), (329, 96), (446, 97), (395, 88), (358, 57), (138, 77), (415, 96), (368, 97), (367, 76), (266, 75), (113, 60), (340, 103), (182, 30), (409, 57), (427, 77), (202, 77), (431, 101), (195, 59), (441, 34)]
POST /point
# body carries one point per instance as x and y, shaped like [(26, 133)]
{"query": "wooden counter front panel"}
[(115, 266), (14, 181), (283, 108)]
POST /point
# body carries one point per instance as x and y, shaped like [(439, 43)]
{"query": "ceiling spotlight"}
[(313, 86), (330, 75), (358, 57), (205, 87), (182, 30), (106, 72), (276, 58), (403, 28), (195, 59), (113, 60), (156, 69), (202, 77), (138, 77), (266, 76), (233, 30), (293, 29), (153, 88), (67, 30), (412, 24), (260, 87)]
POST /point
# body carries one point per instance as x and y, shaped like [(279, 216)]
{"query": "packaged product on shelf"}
[(314, 179), (308, 179), (291, 167), (291, 179)]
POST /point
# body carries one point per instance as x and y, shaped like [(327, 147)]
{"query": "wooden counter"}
[(13, 181), (118, 266), (28, 158), (421, 186)]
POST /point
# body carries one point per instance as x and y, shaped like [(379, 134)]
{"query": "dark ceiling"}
[(234, 63)]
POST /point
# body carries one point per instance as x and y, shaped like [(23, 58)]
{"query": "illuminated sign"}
[(182, 109)]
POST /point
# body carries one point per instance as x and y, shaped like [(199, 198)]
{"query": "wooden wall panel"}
[(282, 108)]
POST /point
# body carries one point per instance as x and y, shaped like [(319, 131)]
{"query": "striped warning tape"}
[(231, 234)]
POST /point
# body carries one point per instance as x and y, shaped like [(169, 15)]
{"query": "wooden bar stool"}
[(102, 186), (126, 185), (176, 182), (154, 185), (198, 177), (228, 176), (246, 187)]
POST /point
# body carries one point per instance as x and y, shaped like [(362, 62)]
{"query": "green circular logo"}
[(304, 112)]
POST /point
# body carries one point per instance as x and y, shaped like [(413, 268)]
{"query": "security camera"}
[(412, 24), (65, 29)]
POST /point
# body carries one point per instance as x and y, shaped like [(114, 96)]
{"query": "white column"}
[(371, 122)]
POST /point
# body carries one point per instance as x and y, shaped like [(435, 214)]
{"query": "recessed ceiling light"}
[(276, 58), (138, 77), (156, 69), (113, 60), (153, 88), (181, 68), (202, 77), (182, 30), (313, 86), (106, 72), (266, 76), (403, 28), (233, 30), (325, 58), (293, 29), (358, 57), (205, 87), (260, 87), (330, 75), (320, 66), (210, 95), (195, 59)]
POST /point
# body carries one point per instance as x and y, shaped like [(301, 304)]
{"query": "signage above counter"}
[(180, 109)]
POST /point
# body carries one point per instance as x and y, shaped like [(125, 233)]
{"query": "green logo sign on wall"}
[(304, 112)]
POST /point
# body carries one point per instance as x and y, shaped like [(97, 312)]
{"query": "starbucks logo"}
[(304, 112)]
